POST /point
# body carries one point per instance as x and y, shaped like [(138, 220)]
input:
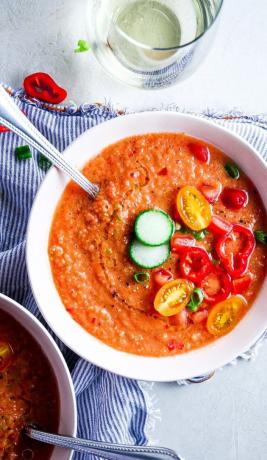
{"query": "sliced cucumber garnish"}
[(154, 227), (148, 256)]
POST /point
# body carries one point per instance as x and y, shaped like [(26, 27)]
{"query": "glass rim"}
[(172, 48)]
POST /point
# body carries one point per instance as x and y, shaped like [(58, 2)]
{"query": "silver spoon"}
[(11, 117), (104, 450)]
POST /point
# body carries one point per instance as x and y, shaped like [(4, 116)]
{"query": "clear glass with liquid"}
[(151, 44)]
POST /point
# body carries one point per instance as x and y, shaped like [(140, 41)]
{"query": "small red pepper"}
[(181, 242), (41, 86), (236, 263), (3, 129), (162, 276), (234, 198), (220, 226), (211, 191), (217, 285), (201, 152), (241, 285), (195, 264)]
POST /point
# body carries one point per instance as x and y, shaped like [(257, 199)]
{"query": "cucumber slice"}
[(148, 256), (154, 227)]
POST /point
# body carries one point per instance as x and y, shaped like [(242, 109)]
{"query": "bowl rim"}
[(129, 365), (59, 357)]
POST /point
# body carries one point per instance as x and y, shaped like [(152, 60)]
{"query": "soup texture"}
[(28, 393), (170, 279)]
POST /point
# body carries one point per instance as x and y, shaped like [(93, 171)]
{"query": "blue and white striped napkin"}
[(110, 408)]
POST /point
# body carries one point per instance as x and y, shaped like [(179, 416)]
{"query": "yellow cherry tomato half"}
[(224, 316), (193, 208), (6, 354), (173, 297)]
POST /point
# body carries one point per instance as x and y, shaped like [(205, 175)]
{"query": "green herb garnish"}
[(23, 152), (83, 46), (260, 236), (232, 170), (200, 235), (196, 299), (142, 277), (43, 162)]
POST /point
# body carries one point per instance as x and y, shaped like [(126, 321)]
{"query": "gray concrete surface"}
[(226, 418)]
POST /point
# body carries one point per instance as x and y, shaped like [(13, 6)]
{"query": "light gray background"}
[(225, 418)]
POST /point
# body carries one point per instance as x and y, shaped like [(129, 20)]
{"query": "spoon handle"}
[(11, 117), (104, 450)]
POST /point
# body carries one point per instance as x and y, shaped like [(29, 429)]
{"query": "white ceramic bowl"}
[(68, 414), (71, 333)]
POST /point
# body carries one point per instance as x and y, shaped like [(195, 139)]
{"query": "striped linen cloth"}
[(110, 408)]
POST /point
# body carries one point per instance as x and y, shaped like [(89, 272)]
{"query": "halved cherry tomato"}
[(193, 208), (6, 354), (234, 198), (162, 276), (220, 226), (211, 192), (216, 286), (180, 242), (224, 316), (241, 285), (236, 257), (173, 297), (201, 152), (195, 264)]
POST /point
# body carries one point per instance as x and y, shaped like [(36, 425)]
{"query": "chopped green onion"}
[(142, 277), (232, 170), (260, 236), (200, 235), (184, 230), (23, 152), (196, 299), (83, 46), (43, 162)]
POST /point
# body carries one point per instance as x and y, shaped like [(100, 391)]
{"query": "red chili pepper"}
[(41, 86), (3, 129), (195, 264), (211, 192), (201, 152), (219, 226), (241, 285), (236, 263), (181, 242), (234, 198), (216, 286), (163, 172), (162, 276)]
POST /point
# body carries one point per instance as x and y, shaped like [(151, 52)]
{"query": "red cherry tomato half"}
[(211, 192), (241, 285), (201, 152), (220, 226), (235, 248), (216, 286), (195, 264), (162, 276), (234, 198), (180, 242)]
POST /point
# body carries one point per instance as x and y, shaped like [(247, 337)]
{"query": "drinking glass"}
[(151, 44)]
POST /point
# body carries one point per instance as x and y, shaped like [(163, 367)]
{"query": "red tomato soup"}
[(165, 259), (28, 393)]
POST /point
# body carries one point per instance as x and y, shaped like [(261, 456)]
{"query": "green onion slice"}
[(196, 299), (43, 162), (200, 235), (142, 277), (260, 236), (83, 46), (23, 152), (232, 170)]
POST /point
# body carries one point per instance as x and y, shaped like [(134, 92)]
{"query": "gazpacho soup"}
[(28, 393), (171, 253)]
